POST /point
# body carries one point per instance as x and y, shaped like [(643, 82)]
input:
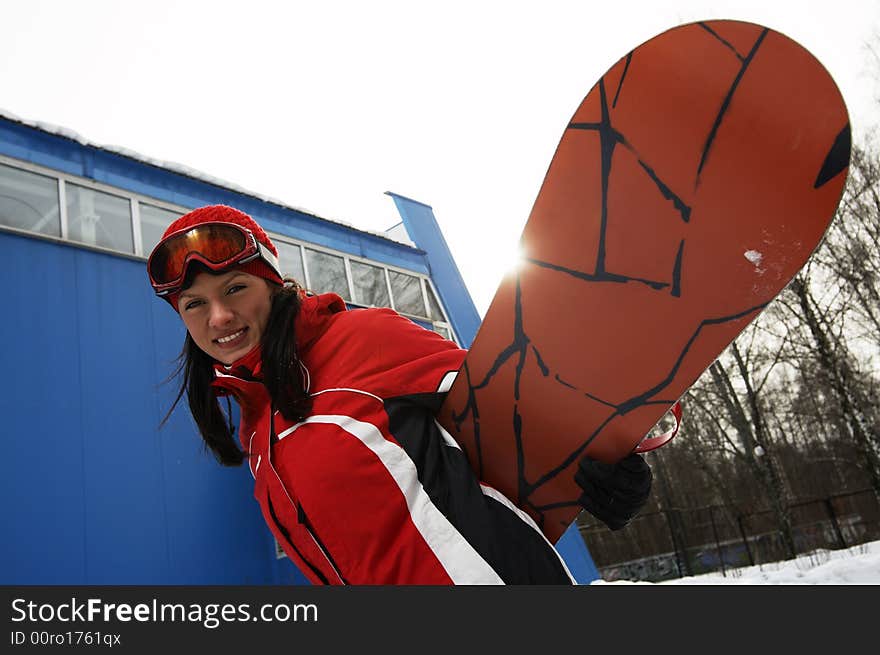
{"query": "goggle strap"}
[(268, 257)]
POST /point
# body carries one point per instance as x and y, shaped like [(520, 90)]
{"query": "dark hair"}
[(282, 377)]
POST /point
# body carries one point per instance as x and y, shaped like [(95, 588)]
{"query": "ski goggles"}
[(216, 245)]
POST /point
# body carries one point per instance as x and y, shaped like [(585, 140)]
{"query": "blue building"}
[(93, 491)]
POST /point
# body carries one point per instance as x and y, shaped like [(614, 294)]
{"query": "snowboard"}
[(693, 182)]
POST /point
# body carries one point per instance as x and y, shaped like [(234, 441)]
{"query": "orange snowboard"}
[(691, 185)]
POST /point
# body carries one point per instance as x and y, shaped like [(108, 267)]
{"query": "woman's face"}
[(226, 314)]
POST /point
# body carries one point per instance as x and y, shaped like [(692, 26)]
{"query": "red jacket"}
[(369, 489)]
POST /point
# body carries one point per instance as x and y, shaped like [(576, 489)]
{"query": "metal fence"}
[(676, 543)]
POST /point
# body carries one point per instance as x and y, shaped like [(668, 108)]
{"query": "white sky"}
[(327, 104)]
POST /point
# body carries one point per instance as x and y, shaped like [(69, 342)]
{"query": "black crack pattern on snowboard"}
[(622, 78), (727, 44), (726, 104), (521, 346), (609, 139), (837, 159)]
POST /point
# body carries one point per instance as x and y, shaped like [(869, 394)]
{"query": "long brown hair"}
[(282, 377)]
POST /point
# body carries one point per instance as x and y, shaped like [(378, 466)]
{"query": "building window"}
[(57, 205), (290, 261), (154, 222), (366, 284), (370, 285), (434, 305), (29, 201), (99, 219), (327, 273), (407, 293)]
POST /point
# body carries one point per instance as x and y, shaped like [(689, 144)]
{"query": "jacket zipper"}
[(286, 534), (301, 515)]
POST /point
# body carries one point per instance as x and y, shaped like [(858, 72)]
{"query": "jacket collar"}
[(312, 320)]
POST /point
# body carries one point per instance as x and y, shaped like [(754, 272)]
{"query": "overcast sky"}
[(325, 105)]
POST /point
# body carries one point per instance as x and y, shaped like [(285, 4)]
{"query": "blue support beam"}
[(422, 227)]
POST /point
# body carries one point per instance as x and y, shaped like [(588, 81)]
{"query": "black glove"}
[(614, 493)]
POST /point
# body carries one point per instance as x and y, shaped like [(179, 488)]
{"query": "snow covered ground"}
[(859, 565)]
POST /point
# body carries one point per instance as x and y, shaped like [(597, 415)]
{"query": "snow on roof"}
[(182, 169)]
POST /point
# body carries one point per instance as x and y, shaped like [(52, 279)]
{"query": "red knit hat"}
[(226, 214)]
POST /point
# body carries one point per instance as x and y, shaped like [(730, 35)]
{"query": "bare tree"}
[(835, 360), (750, 427)]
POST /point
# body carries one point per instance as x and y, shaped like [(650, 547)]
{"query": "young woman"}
[(353, 474)]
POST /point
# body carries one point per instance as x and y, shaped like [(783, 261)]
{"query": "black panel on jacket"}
[(517, 552)]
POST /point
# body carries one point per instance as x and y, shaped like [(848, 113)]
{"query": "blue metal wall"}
[(92, 492)]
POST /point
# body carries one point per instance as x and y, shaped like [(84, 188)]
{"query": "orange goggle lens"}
[(217, 245)]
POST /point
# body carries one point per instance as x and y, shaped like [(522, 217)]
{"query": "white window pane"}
[(407, 291), (29, 201), (290, 260), (443, 332), (154, 222), (434, 305), (98, 218), (370, 287), (327, 273)]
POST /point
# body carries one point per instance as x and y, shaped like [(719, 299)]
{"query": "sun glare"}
[(515, 259)]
